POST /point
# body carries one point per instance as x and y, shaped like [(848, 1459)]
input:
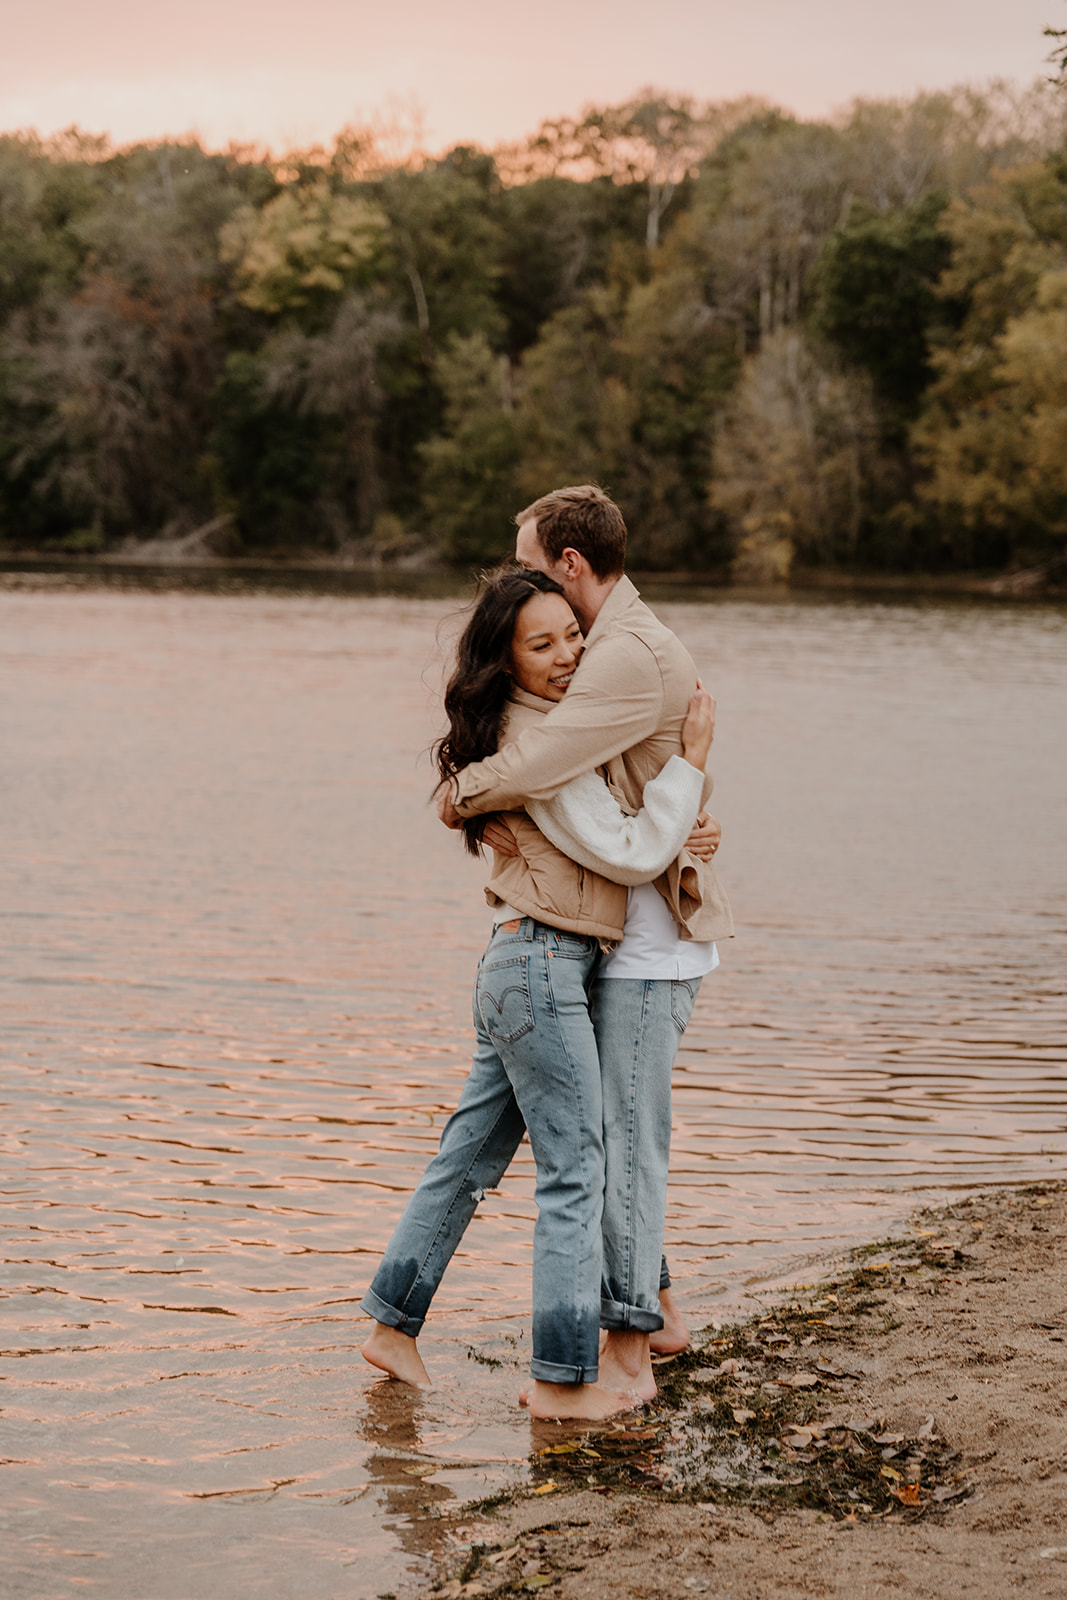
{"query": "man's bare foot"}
[(397, 1354), (626, 1366), (674, 1334), (588, 1401)]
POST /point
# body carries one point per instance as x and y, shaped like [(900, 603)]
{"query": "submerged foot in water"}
[(590, 1401)]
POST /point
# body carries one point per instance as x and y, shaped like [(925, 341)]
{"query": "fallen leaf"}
[(419, 1472), (743, 1415), (927, 1429), (731, 1366), (907, 1494), (949, 1491), (889, 1472), (547, 1488), (889, 1438), (504, 1555), (801, 1380), (559, 1450), (827, 1369), (538, 1583)]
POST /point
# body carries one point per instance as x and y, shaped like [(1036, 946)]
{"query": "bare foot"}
[(626, 1366), (674, 1334), (590, 1401), (397, 1354)]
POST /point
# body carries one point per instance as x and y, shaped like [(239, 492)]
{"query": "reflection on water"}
[(234, 991)]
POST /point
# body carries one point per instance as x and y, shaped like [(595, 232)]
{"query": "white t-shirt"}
[(585, 821), (651, 944)]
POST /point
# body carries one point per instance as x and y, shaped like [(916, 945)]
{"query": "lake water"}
[(237, 951)]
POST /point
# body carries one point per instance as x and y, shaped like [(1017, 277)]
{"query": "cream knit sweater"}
[(586, 822)]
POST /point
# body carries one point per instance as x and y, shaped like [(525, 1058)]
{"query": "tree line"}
[(839, 344)]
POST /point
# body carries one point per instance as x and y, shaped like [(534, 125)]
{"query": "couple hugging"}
[(578, 733)]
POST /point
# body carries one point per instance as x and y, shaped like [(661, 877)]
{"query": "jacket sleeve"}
[(586, 822), (614, 702)]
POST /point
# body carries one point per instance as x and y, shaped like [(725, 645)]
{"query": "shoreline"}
[(896, 1429), (413, 575)]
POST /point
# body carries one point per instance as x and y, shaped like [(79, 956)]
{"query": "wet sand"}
[(898, 1428)]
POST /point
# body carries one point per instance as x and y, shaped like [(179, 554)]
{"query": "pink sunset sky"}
[(480, 71)]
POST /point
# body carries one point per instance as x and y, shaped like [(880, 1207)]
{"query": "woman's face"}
[(546, 646)]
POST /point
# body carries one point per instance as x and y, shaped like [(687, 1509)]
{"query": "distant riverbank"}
[(156, 565)]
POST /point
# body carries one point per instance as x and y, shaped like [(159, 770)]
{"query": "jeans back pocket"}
[(504, 1003)]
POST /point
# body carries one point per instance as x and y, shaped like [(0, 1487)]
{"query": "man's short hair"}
[(581, 518)]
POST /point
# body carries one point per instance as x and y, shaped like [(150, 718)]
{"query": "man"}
[(623, 712)]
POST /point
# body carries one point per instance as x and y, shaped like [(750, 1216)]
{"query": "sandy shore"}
[(900, 1429)]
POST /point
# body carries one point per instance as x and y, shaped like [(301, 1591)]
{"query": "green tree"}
[(266, 458), (333, 376), (303, 249), (988, 431), (576, 413), (43, 196), (876, 296), (444, 232), (469, 490), (110, 409)]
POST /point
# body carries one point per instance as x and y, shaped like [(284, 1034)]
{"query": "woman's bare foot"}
[(674, 1334), (589, 1401), (397, 1354), (626, 1366)]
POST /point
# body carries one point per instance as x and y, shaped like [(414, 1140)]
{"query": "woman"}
[(535, 1066)]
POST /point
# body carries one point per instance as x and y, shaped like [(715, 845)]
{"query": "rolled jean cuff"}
[(628, 1319), (390, 1316), (554, 1372), (664, 1275)]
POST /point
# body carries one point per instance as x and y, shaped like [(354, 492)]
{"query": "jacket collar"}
[(622, 596), (523, 697)]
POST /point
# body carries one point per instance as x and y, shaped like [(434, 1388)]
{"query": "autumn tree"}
[(115, 377), (993, 424), (793, 461)]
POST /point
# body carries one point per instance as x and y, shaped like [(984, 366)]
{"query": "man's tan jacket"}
[(623, 713)]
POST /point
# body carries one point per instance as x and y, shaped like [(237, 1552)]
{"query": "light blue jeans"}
[(535, 1068), (638, 1024)]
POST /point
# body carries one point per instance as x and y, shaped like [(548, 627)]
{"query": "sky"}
[(478, 71)]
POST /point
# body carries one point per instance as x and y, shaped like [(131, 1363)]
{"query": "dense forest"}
[(779, 343)]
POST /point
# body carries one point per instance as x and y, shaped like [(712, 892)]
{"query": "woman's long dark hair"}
[(477, 693)]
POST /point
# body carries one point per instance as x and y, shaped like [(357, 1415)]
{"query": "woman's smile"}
[(546, 647)]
